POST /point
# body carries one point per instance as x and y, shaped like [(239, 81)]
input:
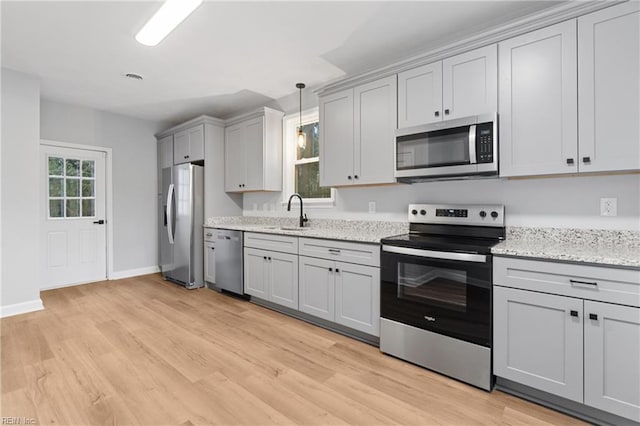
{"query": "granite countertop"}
[(333, 229), (609, 248)]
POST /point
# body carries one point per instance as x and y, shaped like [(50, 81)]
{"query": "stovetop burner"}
[(454, 228)]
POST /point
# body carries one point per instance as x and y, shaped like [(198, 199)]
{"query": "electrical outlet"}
[(372, 206), (608, 207)]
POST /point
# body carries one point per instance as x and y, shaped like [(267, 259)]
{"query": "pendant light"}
[(302, 138)]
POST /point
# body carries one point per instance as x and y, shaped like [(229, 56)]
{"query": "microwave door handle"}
[(472, 144)]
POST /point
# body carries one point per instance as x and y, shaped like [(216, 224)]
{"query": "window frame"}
[(290, 125), (64, 177)]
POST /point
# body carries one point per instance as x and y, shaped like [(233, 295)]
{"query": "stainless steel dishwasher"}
[(228, 261)]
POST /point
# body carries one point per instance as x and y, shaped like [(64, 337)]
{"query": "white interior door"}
[(73, 231)]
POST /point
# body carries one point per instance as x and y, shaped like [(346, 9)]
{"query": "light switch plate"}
[(372, 206), (608, 207)]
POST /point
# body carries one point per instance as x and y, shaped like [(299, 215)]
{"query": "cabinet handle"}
[(186, 156), (437, 113), (446, 111), (574, 313), (593, 317), (239, 185), (355, 176), (586, 159), (334, 251), (264, 257), (337, 270), (330, 269), (213, 248), (269, 259), (569, 161), (583, 282), (349, 177), (243, 185)]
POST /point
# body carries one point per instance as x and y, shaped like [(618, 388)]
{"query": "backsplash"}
[(586, 237)]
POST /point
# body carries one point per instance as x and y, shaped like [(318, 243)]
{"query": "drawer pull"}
[(209, 234), (334, 251), (574, 313), (337, 270), (593, 317), (330, 269), (593, 283)]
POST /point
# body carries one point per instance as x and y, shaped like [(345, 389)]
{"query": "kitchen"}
[(544, 201)]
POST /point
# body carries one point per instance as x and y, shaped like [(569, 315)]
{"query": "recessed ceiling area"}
[(227, 57)]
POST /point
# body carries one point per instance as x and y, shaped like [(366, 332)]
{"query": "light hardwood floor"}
[(143, 351)]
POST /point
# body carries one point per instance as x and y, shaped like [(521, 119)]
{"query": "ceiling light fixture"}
[(165, 20), (302, 138)]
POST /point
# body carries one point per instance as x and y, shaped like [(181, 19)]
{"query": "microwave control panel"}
[(484, 142)]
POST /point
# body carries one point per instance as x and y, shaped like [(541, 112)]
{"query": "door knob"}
[(99, 222)]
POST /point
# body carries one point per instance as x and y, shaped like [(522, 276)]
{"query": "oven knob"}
[(423, 212), (414, 211), (494, 214), (483, 213)]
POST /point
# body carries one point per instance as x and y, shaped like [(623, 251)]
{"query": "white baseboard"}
[(134, 272), (21, 308)]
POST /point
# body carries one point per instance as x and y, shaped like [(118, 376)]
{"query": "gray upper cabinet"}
[(538, 102), (609, 88), (165, 157), (253, 152), (189, 145), (420, 95), (460, 86), (357, 134), (470, 83)]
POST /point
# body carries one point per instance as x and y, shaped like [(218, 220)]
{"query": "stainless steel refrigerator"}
[(182, 216)]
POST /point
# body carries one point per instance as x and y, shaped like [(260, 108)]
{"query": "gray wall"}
[(134, 173), (568, 202), (19, 179)]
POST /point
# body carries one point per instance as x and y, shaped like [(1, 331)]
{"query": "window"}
[(302, 165), (71, 189)]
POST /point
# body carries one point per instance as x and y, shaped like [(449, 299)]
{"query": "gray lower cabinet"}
[(581, 343), (345, 293), (537, 341), (271, 276), (612, 358)]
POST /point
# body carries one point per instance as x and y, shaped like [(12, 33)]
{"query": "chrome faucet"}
[(303, 218)]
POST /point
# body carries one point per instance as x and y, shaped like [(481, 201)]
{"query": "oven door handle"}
[(464, 257)]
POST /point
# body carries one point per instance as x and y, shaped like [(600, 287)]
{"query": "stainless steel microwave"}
[(463, 147)]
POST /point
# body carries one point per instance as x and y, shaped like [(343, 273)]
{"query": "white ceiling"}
[(227, 57)]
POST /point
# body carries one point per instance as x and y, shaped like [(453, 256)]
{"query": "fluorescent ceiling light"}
[(165, 20)]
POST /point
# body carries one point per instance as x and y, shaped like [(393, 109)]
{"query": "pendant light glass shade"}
[(302, 138)]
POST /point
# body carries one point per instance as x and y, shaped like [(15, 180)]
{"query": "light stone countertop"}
[(332, 229), (601, 247)]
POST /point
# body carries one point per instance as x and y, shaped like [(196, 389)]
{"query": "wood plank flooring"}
[(144, 351)]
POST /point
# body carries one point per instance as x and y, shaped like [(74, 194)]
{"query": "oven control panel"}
[(457, 214)]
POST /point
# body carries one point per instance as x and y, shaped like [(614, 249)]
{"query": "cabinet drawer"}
[(281, 243), (209, 234), (364, 254), (598, 283)]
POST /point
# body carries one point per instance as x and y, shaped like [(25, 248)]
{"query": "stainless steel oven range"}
[(436, 295)]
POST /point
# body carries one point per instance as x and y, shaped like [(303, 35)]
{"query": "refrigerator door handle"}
[(169, 213)]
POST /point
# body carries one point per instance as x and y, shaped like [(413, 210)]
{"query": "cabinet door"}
[(470, 83), (537, 341), (612, 358), (253, 135), (538, 102), (420, 95), (165, 157), (375, 112), (317, 287), (358, 297), (609, 87), (181, 147), (255, 273), (336, 139), (234, 161), (196, 143), (210, 262), (283, 279)]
